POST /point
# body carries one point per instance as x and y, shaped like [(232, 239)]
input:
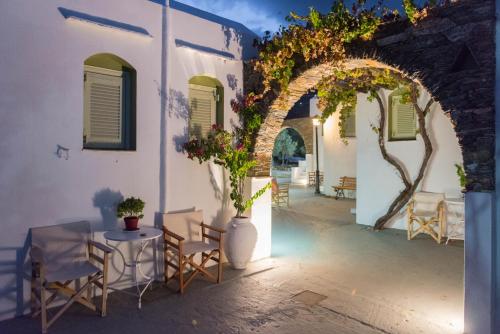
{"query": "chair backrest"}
[(62, 244), (274, 186), (185, 224), (426, 203)]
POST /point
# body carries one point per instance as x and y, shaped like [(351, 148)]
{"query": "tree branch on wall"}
[(344, 85), (409, 186)]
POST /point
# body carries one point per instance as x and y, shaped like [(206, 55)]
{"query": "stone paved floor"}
[(367, 282)]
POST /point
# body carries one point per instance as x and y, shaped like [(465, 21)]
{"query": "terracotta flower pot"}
[(240, 243), (131, 223)]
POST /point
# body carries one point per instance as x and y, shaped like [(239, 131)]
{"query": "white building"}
[(378, 182), (67, 158)]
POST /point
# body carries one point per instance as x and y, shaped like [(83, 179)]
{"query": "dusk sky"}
[(262, 15)]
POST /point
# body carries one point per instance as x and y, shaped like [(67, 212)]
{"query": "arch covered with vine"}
[(437, 49)]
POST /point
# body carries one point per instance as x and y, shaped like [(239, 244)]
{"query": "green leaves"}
[(338, 92), (131, 207), (410, 10)]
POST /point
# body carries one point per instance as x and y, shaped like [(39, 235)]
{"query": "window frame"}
[(352, 116), (127, 109), (214, 111), (391, 137)]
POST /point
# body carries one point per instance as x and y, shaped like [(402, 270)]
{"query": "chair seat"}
[(70, 271), (193, 247), (428, 214)]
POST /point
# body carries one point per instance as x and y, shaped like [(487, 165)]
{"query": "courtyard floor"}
[(327, 275)]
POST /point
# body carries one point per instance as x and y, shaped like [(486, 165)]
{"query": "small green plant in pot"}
[(131, 211)]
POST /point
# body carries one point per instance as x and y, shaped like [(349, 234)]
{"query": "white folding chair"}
[(426, 215), (61, 254)]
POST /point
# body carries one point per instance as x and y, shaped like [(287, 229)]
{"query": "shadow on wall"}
[(178, 106), (12, 293), (232, 81), (106, 200)]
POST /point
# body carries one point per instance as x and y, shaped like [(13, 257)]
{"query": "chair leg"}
[(43, 307), (104, 286), (34, 306), (409, 228), (166, 265), (181, 273)]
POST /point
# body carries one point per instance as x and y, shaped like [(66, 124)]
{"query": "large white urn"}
[(240, 243)]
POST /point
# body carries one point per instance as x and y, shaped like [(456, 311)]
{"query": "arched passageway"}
[(443, 54)]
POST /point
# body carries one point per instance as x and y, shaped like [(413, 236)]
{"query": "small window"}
[(350, 125), (203, 105), (108, 104), (402, 118), (206, 105)]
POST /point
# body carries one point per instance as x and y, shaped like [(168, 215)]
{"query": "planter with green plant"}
[(131, 210), (231, 150)]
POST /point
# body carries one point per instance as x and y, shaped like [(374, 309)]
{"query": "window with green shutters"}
[(350, 125), (203, 102), (108, 101), (402, 118)]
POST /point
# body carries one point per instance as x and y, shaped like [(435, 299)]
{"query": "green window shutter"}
[(220, 107), (350, 125), (202, 103), (103, 106), (402, 119)]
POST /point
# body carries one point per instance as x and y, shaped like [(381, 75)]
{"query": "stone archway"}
[(304, 127), (445, 56)]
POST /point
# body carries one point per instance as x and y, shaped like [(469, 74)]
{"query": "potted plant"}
[(231, 150), (131, 211)]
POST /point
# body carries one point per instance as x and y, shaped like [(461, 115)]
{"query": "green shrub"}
[(131, 207)]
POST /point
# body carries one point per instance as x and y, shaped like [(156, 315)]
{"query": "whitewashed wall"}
[(189, 183), (336, 158), (377, 182), (41, 106)]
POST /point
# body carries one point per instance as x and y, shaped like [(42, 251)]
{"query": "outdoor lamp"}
[(316, 122)]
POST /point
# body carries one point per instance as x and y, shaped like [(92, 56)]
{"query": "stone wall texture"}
[(451, 53)]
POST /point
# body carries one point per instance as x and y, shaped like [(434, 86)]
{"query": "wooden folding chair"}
[(61, 254), (183, 241), (280, 193), (426, 215)]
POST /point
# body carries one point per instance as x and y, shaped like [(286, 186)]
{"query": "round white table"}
[(144, 237)]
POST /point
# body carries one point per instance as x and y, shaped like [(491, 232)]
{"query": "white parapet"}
[(260, 213)]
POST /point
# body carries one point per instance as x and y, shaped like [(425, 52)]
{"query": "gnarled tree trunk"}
[(409, 186)]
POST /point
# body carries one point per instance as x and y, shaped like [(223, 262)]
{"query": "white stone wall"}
[(377, 182), (41, 106)]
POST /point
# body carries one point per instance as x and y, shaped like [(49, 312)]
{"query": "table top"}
[(144, 233)]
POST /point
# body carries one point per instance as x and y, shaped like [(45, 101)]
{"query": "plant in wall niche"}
[(131, 210), (461, 176)]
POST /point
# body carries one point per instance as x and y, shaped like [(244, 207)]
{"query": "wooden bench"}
[(345, 183)]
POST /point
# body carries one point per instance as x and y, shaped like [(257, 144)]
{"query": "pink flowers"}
[(239, 146)]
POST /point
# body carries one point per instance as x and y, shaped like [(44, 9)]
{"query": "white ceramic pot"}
[(240, 242)]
